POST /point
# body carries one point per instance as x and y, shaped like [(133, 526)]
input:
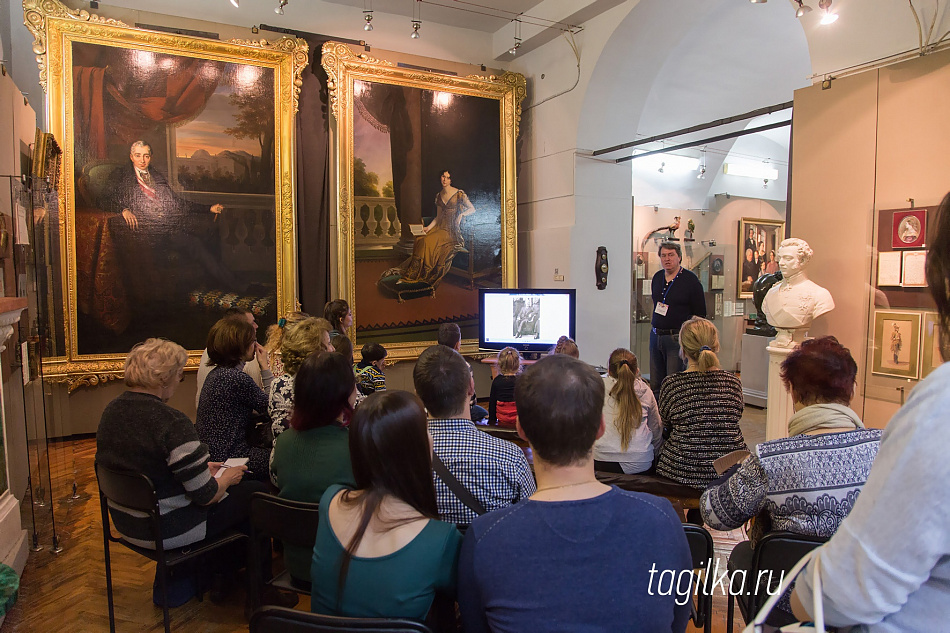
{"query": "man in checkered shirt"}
[(495, 471)]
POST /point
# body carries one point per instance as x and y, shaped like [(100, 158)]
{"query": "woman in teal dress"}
[(432, 253), (381, 550)]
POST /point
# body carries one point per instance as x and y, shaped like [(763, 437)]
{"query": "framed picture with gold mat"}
[(177, 175), (896, 344), (426, 213)]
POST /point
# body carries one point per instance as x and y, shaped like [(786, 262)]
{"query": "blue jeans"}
[(664, 359)]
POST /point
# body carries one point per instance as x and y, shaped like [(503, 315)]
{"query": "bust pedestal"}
[(13, 541), (779, 405)]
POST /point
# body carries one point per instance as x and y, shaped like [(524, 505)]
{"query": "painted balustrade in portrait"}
[(376, 223)]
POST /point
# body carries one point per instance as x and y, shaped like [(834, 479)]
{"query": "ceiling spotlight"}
[(662, 166), (828, 17), (368, 16), (280, 7), (758, 1), (236, 3), (702, 173), (514, 49), (416, 25), (802, 9)]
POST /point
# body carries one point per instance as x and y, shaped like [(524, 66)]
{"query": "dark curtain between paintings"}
[(313, 185)]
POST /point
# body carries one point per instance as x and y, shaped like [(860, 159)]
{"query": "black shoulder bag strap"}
[(456, 487)]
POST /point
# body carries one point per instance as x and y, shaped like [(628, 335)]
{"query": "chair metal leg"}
[(105, 538), (108, 560), (730, 612), (162, 582)]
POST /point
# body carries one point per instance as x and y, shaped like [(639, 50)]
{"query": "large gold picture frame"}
[(428, 123), (250, 97)]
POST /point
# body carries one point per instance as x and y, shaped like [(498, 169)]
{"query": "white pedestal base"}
[(13, 543), (779, 407)]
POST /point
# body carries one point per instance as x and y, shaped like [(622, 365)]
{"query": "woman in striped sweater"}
[(700, 409)]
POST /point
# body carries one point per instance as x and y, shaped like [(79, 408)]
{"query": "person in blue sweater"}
[(577, 555)]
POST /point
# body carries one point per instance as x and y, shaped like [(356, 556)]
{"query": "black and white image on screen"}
[(526, 317)]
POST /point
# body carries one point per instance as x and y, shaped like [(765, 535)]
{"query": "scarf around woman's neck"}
[(827, 416)]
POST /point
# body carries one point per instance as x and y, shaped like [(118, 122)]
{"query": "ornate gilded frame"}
[(55, 28), (343, 67)]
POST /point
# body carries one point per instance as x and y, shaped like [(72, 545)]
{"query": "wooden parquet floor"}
[(66, 591)]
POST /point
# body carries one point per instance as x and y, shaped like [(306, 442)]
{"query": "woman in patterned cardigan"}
[(806, 483), (700, 409)]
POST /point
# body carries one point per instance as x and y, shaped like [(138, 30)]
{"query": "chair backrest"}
[(129, 489), (778, 552), (700, 545), (293, 522), (281, 620)]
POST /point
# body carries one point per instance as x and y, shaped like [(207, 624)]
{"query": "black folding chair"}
[(135, 491), (701, 551), (294, 523), (777, 553), (281, 620)]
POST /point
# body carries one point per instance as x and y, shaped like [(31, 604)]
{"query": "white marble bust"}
[(792, 304)]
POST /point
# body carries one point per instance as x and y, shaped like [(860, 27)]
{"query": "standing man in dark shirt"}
[(677, 296)]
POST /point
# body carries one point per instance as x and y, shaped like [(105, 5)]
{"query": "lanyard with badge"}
[(662, 307)]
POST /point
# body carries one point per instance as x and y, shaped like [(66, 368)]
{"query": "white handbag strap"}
[(817, 606)]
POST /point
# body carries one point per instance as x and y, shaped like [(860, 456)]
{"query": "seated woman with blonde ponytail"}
[(700, 408), (633, 430)]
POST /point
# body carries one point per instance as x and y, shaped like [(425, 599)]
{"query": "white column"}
[(13, 540), (779, 405)]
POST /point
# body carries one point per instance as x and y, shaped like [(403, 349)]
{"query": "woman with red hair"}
[(808, 482)]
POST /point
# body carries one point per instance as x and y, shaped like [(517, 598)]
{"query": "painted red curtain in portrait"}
[(134, 95)]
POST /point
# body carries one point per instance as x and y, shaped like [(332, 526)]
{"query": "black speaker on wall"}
[(601, 268)]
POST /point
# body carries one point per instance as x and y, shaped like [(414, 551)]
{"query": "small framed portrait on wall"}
[(909, 229), (896, 344), (758, 248), (931, 356)]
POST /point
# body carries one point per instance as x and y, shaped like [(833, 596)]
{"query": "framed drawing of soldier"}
[(896, 344), (757, 252), (176, 199), (426, 209)]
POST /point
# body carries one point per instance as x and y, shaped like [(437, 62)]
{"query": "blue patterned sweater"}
[(806, 484)]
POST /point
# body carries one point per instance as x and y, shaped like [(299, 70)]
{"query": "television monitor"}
[(530, 320)]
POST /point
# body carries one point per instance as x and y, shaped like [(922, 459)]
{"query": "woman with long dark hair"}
[(381, 550), (313, 453), (338, 313)]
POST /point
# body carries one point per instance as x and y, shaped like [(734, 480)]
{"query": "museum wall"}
[(870, 142)]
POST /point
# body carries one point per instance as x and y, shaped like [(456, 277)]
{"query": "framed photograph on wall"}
[(931, 357), (896, 344), (177, 174), (757, 252), (426, 208), (909, 229)]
